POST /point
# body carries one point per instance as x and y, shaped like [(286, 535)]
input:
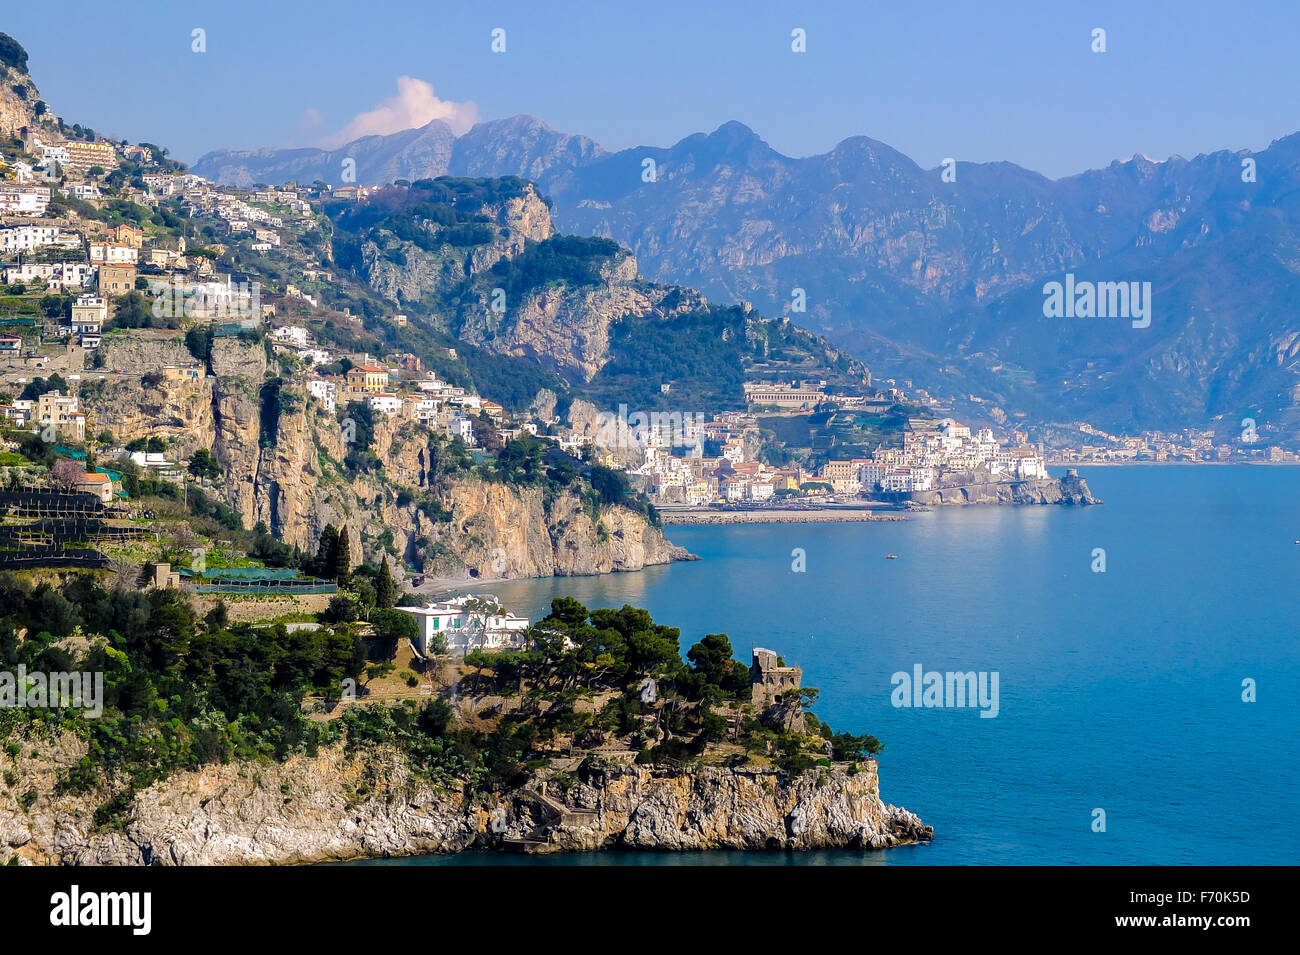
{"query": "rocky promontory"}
[(1070, 489), (335, 807)]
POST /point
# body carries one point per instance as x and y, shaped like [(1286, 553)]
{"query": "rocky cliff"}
[(402, 270), (18, 109), (499, 531), (1070, 489), (281, 454), (562, 323), (338, 807)]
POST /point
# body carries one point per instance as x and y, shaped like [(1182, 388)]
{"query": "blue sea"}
[(1120, 691)]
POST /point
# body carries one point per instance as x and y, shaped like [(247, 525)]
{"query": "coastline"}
[(336, 806), (824, 515), (436, 585)]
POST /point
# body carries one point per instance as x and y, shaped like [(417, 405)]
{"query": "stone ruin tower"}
[(770, 681)]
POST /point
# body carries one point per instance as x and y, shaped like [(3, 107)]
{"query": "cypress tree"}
[(385, 589), (322, 563), (341, 559)]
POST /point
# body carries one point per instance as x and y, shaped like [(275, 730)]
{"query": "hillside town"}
[(71, 278), (81, 270), (697, 460)]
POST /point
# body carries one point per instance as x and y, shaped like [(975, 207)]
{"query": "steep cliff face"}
[(179, 409), (238, 372), (288, 495), (714, 808), (499, 531), (18, 99), (337, 807), (281, 455), (556, 304)]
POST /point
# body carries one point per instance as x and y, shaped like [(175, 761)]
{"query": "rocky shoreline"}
[(336, 807), (1070, 489)]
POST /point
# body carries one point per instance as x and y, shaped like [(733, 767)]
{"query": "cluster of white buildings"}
[(688, 476), (394, 392), (63, 275), (933, 453), (28, 238), (296, 339), (930, 452)]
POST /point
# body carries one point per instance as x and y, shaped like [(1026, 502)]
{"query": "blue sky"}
[(937, 79)]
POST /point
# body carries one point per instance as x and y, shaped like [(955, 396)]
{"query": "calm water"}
[(1118, 691)]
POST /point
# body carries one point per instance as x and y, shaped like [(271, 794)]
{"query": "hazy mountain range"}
[(937, 281)]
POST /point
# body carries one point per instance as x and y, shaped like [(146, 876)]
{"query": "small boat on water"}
[(891, 557)]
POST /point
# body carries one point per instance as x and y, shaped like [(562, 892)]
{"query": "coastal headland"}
[(339, 807)]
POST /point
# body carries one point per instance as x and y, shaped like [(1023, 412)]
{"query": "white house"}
[(1029, 465), (64, 274), (89, 313), (22, 410), (24, 200), (463, 428), (421, 409), (386, 402), (869, 474), (954, 429), (465, 630), (113, 254), (150, 459), (326, 392), (734, 489), (28, 237), (83, 190), (291, 335), (896, 481), (52, 152)]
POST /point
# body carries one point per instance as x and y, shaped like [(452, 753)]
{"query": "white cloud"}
[(415, 105)]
